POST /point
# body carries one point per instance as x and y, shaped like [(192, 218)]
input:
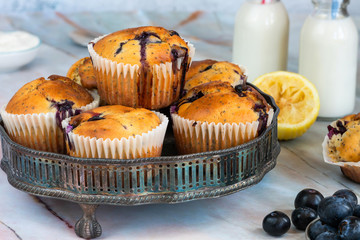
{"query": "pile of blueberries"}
[(339, 216)]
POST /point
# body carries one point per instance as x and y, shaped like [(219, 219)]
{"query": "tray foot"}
[(88, 227)]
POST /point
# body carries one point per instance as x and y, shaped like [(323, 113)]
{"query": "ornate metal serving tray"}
[(166, 179)]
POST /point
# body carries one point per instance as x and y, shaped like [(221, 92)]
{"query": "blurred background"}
[(293, 6)]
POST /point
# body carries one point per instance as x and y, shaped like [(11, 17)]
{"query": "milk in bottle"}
[(328, 56), (261, 36)]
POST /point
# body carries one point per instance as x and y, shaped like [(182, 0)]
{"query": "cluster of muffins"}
[(134, 72), (341, 145)]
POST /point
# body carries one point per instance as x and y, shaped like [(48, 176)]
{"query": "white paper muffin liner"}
[(195, 136), (139, 146), (118, 83), (326, 154), (349, 169), (330, 160), (40, 131)]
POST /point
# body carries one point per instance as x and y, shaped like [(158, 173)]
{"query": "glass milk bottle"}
[(328, 55), (261, 37)]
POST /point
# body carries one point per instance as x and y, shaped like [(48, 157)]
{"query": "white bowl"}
[(10, 61), (307, 237)]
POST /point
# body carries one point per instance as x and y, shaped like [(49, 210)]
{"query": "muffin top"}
[(344, 139), (219, 102), (144, 46), (54, 95), (210, 70), (82, 72), (113, 121)]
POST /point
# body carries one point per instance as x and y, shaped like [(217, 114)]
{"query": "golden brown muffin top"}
[(82, 72), (146, 46), (352, 118), (344, 139), (219, 102), (113, 121), (210, 70), (53, 95)]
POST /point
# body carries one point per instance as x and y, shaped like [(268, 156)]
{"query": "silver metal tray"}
[(165, 179)]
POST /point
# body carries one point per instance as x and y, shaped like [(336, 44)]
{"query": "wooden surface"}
[(238, 216)]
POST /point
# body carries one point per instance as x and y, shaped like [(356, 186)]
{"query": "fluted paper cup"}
[(139, 146), (41, 131), (129, 85), (349, 169), (196, 136)]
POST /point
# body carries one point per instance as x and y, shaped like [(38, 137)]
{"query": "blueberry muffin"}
[(210, 70), (117, 132), (341, 145), (141, 67), (344, 139), (215, 116), (33, 116), (82, 72)]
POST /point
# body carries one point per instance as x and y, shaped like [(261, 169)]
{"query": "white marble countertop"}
[(237, 216)]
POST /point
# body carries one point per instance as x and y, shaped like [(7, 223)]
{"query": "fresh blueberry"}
[(302, 216), (319, 227), (308, 198), (276, 223), (349, 228), (347, 194), (357, 211), (328, 236), (333, 209)]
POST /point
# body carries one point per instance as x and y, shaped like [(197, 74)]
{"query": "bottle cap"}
[(266, 1)]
